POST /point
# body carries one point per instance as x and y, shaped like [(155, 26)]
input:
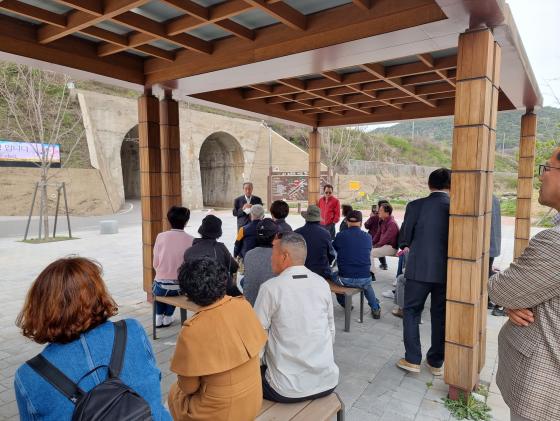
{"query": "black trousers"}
[(272, 395), (415, 295)]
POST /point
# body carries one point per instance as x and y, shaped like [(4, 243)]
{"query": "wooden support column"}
[(314, 176), (474, 139), (170, 155), (525, 177), (150, 180)]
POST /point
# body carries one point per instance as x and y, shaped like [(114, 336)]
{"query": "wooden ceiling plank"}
[(236, 29), (299, 84), (233, 98), (27, 10), (189, 7), (157, 29), (281, 11), (378, 70), (19, 38), (203, 13), (333, 26), (362, 4), (411, 111), (216, 13), (78, 20), (94, 7), (121, 41), (428, 60)]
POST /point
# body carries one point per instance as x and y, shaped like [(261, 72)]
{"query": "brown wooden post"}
[(474, 138), (525, 177), (150, 180), (314, 176), (170, 155)]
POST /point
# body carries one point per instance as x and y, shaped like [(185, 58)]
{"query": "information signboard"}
[(24, 154), (292, 186)]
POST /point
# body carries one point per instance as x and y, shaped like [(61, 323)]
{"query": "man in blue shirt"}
[(320, 253), (353, 248)]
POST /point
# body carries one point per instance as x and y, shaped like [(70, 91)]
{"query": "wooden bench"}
[(182, 302), (348, 293), (321, 409)]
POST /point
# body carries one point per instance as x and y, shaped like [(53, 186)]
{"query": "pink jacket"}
[(168, 252)]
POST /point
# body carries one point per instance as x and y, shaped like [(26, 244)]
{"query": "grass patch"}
[(48, 240), (468, 409)]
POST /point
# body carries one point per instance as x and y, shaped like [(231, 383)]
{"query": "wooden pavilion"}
[(317, 63)]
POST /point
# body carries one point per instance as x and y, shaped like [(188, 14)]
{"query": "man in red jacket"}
[(385, 240), (330, 210)]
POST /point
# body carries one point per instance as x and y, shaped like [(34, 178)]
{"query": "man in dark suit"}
[(242, 204), (426, 227)]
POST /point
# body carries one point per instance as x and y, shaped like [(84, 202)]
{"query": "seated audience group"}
[(272, 342)]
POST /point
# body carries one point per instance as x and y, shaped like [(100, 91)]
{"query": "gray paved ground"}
[(371, 387)]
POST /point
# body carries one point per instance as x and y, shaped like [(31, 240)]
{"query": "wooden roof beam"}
[(203, 14), (19, 38), (155, 29), (95, 7), (281, 11), (300, 84), (77, 20), (335, 77), (29, 11), (428, 60), (122, 41), (216, 13), (379, 71), (362, 4)]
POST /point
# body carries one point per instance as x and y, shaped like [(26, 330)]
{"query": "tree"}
[(39, 110), (338, 145)]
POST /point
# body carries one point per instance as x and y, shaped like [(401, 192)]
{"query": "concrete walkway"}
[(371, 387)]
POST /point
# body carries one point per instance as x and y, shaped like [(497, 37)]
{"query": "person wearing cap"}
[(386, 237), (279, 211), (295, 308), (258, 267), (353, 247), (242, 204), (330, 209), (208, 246), (320, 253), (247, 235)]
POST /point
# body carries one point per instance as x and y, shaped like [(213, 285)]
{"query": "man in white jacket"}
[(296, 309)]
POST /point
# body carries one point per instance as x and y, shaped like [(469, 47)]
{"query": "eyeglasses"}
[(546, 168), (328, 192)]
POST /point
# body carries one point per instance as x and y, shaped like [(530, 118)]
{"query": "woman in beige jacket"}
[(217, 355)]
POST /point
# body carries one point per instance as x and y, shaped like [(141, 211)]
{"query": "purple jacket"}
[(387, 234)]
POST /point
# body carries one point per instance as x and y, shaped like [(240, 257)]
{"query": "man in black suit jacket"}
[(424, 233), (242, 204)]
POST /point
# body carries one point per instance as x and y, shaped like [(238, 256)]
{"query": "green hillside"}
[(441, 129)]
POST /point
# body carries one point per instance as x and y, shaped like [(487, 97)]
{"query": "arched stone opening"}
[(221, 169), (130, 164)]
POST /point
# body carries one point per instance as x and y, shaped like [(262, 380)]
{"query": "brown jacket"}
[(217, 364), (529, 357)]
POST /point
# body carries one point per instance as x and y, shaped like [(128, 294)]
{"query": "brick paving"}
[(371, 387)]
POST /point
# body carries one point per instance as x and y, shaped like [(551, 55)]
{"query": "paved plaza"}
[(371, 387)]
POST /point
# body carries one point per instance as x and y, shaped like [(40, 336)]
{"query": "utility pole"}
[(412, 140)]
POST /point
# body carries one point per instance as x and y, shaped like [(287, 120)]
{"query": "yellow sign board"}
[(354, 185)]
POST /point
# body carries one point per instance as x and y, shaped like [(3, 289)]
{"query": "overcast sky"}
[(538, 22)]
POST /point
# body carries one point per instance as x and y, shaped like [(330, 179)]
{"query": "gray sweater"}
[(258, 269)]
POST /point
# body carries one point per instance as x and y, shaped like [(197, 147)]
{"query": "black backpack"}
[(110, 399)]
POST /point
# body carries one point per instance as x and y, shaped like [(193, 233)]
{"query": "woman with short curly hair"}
[(217, 355), (68, 307)]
